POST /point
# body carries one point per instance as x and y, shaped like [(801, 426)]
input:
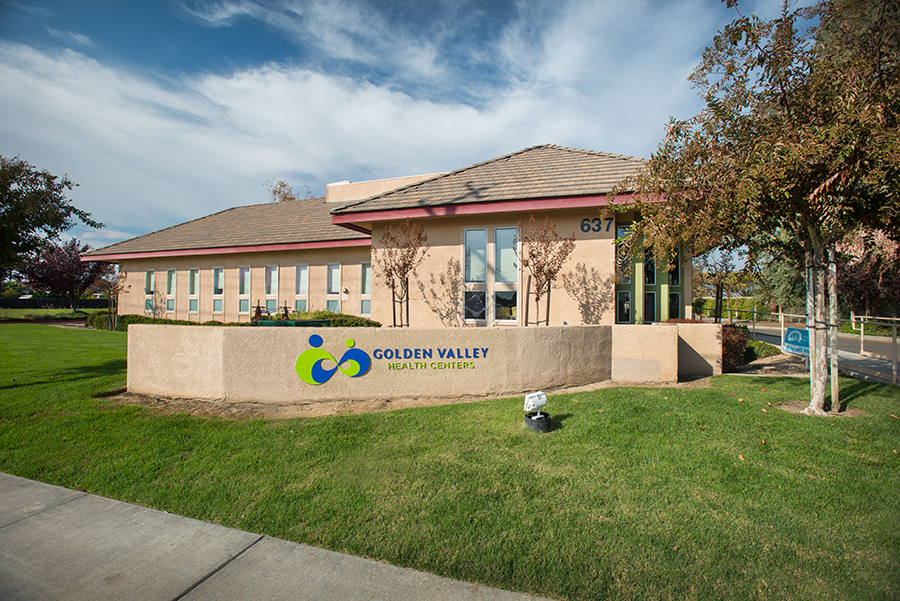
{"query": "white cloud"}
[(150, 152)]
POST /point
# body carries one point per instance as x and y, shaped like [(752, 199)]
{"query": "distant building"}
[(317, 253)]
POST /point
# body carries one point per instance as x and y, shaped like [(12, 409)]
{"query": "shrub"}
[(338, 320), (734, 347)]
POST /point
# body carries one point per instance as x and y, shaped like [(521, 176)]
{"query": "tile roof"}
[(546, 171), (289, 222)]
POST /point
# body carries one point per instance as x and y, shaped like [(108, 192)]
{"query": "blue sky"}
[(167, 110)]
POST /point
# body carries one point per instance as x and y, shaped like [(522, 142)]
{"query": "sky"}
[(164, 111)]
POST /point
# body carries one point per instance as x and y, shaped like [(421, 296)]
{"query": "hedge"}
[(100, 321)]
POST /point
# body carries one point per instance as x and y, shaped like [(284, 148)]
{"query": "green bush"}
[(338, 320)]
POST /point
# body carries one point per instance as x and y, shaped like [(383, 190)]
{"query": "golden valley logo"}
[(353, 363)]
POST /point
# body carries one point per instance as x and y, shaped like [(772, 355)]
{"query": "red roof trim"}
[(505, 206), (229, 250)]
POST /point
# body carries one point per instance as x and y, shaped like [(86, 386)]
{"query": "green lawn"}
[(637, 494)]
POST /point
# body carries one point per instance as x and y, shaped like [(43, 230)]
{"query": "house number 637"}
[(596, 224)]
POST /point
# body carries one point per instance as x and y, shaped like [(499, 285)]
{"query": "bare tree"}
[(112, 284), (281, 191), (543, 254), (398, 256)]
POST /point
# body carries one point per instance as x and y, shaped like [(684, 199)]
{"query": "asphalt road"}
[(874, 368)]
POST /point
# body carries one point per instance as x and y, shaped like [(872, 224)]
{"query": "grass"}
[(44, 314), (638, 493)]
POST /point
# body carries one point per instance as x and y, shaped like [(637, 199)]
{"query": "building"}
[(317, 253)]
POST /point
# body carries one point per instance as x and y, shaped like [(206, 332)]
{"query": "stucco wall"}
[(259, 364), (699, 350), (645, 353), (131, 300)]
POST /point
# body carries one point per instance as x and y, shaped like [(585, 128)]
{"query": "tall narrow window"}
[(365, 289), (649, 268), (218, 289), (301, 288), (194, 290), (476, 256), (623, 255), (675, 270), (149, 290), (506, 264), (272, 288), (170, 290), (243, 290), (674, 305), (333, 288), (623, 306), (649, 307)]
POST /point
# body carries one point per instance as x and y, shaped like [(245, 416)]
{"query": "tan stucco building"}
[(317, 253)]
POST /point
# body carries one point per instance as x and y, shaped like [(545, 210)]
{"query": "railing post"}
[(894, 353)]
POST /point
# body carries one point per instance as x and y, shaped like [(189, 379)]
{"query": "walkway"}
[(57, 543)]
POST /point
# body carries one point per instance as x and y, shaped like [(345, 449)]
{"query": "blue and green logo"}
[(354, 362)]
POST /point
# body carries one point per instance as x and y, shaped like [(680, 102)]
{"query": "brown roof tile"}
[(546, 171), (288, 222)]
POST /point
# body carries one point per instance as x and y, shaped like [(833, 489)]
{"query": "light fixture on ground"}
[(536, 419)]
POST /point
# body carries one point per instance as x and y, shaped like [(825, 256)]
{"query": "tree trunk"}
[(815, 303), (833, 329)]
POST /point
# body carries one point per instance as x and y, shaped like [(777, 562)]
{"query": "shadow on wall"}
[(593, 293), (443, 295)]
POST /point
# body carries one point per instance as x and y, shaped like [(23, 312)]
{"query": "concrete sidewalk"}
[(57, 543)]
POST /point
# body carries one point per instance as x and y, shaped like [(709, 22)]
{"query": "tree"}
[(33, 211), (544, 253), (869, 274), (399, 256), (796, 149), (59, 270), (281, 191)]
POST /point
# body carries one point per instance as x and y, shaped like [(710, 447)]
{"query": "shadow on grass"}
[(556, 421), (83, 372), (850, 393)]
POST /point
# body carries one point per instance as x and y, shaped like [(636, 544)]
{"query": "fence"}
[(859, 323)]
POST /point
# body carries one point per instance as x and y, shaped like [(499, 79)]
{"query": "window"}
[(649, 269), (506, 265), (218, 289), (649, 307), (474, 301), (301, 288), (365, 289), (674, 305), (475, 256), (506, 305), (149, 290), (675, 270), (333, 287), (243, 290), (334, 278), (623, 306), (170, 290), (623, 255), (193, 290), (271, 288)]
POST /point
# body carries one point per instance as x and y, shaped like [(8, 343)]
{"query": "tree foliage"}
[(59, 270), (868, 277), (33, 210), (544, 253), (397, 257), (796, 149)]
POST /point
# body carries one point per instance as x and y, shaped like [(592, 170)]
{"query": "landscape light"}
[(536, 419)]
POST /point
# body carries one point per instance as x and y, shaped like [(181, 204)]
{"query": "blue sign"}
[(796, 342)]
